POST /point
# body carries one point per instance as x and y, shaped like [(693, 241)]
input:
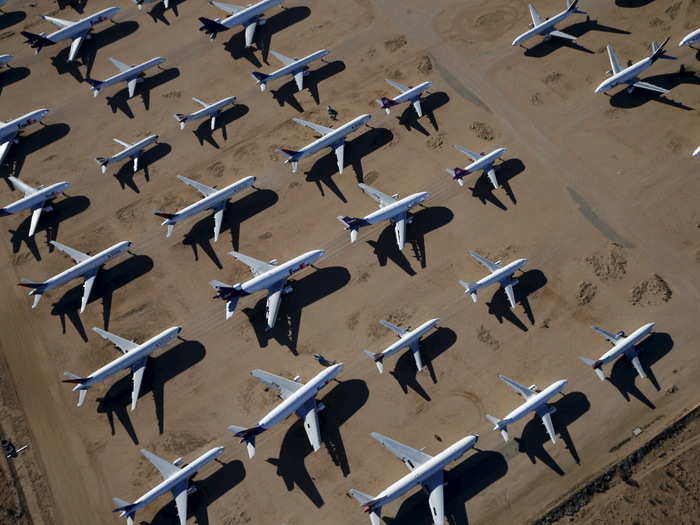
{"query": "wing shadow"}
[(30, 143), (125, 175), (285, 94), (10, 18), (120, 100), (12, 75), (204, 133), (484, 190), (107, 36), (409, 118), (528, 283), (639, 97)]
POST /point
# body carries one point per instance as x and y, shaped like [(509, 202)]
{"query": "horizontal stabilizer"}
[(596, 365), (261, 78), (247, 436), (36, 41), (288, 152), (361, 496), (29, 284), (124, 507), (378, 360), (164, 215)]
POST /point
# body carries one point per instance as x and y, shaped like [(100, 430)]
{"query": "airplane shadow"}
[(424, 221), (30, 143), (201, 234), (307, 290), (325, 167), (10, 18), (157, 12), (463, 482), (409, 118), (12, 75), (529, 282), (639, 97), (342, 403), (632, 3), (623, 375), (432, 346), (49, 223), (569, 407), (204, 133), (77, 5), (208, 491), (107, 36), (159, 370), (285, 94), (484, 190), (108, 281), (120, 100), (125, 175)]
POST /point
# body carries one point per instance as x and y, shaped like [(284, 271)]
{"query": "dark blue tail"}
[(36, 41)]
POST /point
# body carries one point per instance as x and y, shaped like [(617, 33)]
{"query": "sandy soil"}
[(600, 195)]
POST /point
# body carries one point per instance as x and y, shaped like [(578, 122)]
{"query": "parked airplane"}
[(134, 356), (330, 138), (426, 470), (208, 110), (630, 75), (296, 397), (5, 60), (85, 266), (132, 151), (139, 3), (407, 338), (176, 480), (266, 276), (76, 31), (9, 131), (480, 162), (132, 75), (410, 94), (690, 39), (212, 199), (35, 199), (545, 26), (696, 152), (499, 274), (297, 67), (391, 208), (533, 402), (249, 17), (622, 344)]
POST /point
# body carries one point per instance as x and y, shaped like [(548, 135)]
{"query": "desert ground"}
[(600, 194)]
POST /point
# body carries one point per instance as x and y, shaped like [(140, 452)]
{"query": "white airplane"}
[(545, 26), (176, 480), (499, 274), (134, 356), (630, 75), (5, 60), (266, 276), (85, 266), (139, 3), (35, 199), (208, 110), (391, 208), (410, 94), (407, 339), (9, 131), (249, 17), (690, 39), (132, 75), (426, 470), (132, 151), (297, 67), (696, 152), (76, 31), (330, 138), (212, 199), (533, 402), (480, 162), (296, 397), (622, 344)]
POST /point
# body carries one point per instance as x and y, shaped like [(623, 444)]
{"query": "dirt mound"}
[(482, 130), (425, 65), (585, 293), (396, 43), (650, 291), (486, 337), (436, 141), (613, 265)]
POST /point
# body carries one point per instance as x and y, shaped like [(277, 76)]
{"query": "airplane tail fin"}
[(386, 104), (658, 51), (261, 79), (231, 294), (458, 175), (378, 360), (78, 381), (36, 41), (369, 505), (211, 27), (292, 156), (181, 118), (596, 365), (95, 85), (353, 224), (167, 217), (102, 163), (247, 436), (469, 288), (37, 289), (498, 426), (572, 7), (125, 509)]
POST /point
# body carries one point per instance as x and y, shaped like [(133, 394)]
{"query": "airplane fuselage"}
[(625, 76), (298, 65), (83, 26), (130, 73), (133, 150), (9, 130), (413, 93), (485, 162), (390, 211), (690, 38), (211, 109), (535, 402), (36, 199), (544, 28), (248, 14), (501, 274), (410, 337), (626, 343), (334, 137), (212, 200), (282, 272)]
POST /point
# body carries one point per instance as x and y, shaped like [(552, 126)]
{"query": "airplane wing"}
[(434, 486), (398, 86), (614, 61), (36, 214), (510, 293), (4, 148), (613, 338), (179, 492), (58, 22), (415, 350), (283, 59), (491, 174), (273, 302), (308, 413), (122, 143), (22, 186), (490, 265), (121, 66), (87, 288), (561, 34), (137, 371), (417, 107), (536, 18), (201, 188), (339, 149), (218, 219), (286, 387), (544, 413), (525, 392), (323, 130), (382, 198), (637, 364), (123, 344), (649, 87), (250, 32), (472, 155), (256, 266), (400, 230), (411, 457), (397, 330), (165, 468), (75, 46), (200, 102), (131, 85), (229, 8), (76, 255)]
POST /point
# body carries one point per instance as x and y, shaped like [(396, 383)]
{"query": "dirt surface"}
[(587, 182)]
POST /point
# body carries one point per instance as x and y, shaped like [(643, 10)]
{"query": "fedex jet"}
[(545, 26), (249, 17), (269, 276), (622, 345), (391, 208), (480, 162), (35, 199), (132, 75), (212, 199), (410, 94), (407, 339), (533, 402), (297, 67), (630, 75), (77, 32), (86, 266), (9, 131), (296, 397), (134, 356), (425, 470), (690, 39), (176, 480), (208, 110), (131, 151), (330, 138), (499, 274)]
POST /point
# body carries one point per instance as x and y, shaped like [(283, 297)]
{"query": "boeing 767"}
[(622, 345), (407, 338), (499, 274), (35, 199)]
